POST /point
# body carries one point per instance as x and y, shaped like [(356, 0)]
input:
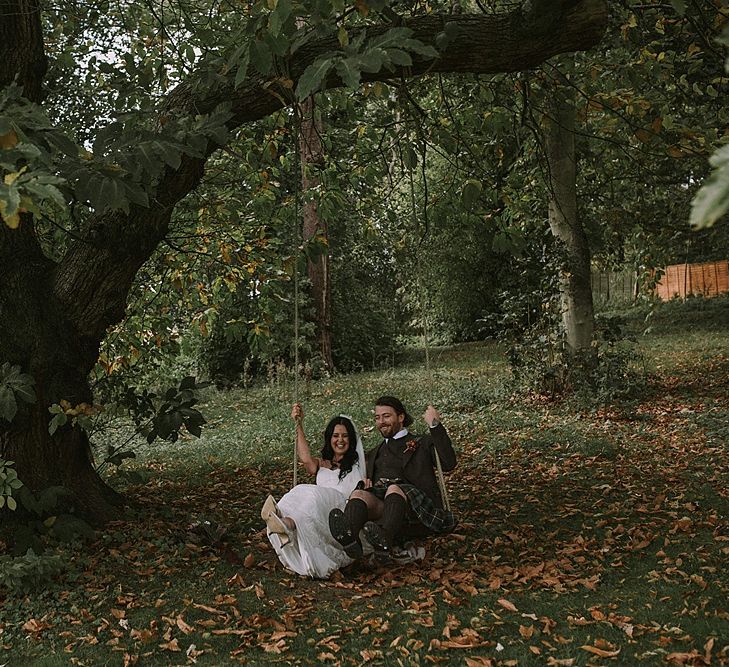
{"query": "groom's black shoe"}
[(376, 537), (342, 533)]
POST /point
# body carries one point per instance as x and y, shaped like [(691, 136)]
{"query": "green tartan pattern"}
[(434, 518)]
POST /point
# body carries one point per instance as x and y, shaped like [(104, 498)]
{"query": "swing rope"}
[(297, 245), (424, 316)]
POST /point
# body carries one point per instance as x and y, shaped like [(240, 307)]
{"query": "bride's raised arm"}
[(302, 446)]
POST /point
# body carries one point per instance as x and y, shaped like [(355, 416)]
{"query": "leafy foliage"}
[(712, 199), (154, 416), (363, 55), (28, 145), (9, 482), (32, 564), (588, 512), (80, 415), (176, 411), (16, 388), (29, 571)]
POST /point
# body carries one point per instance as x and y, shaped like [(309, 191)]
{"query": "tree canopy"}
[(93, 173)]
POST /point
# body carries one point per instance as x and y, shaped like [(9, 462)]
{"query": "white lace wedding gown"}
[(313, 552)]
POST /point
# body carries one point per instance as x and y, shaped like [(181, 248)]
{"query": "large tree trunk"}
[(38, 336), (575, 289), (312, 155), (53, 316), (35, 330), (21, 46)]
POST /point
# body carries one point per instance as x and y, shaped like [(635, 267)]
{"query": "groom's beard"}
[(389, 430)]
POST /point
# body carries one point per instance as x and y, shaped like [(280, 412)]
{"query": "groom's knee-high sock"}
[(393, 516), (356, 512)]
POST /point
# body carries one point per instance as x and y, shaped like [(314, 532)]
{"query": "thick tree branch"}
[(94, 277)]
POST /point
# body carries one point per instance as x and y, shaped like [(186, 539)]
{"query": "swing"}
[(424, 313), (438, 465)]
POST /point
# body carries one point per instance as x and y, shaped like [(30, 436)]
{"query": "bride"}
[(298, 525)]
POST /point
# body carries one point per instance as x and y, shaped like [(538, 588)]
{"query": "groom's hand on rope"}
[(431, 416), (297, 412)]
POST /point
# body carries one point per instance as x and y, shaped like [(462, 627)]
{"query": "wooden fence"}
[(681, 280), (678, 280), (614, 287)]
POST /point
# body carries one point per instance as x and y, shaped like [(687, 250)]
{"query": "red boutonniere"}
[(411, 446)]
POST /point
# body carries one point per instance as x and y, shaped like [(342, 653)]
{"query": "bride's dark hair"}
[(350, 456)]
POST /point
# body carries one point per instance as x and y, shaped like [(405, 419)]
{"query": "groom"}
[(401, 485)]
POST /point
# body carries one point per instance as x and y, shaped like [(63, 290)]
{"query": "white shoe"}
[(274, 522)]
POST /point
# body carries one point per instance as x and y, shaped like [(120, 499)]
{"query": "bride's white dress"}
[(313, 552)]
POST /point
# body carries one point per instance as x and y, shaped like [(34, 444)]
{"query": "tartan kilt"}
[(422, 508)]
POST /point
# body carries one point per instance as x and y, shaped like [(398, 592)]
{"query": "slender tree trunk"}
[(576, 294), (312, 155)]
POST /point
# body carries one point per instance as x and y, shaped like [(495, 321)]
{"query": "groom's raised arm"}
[(441, 439)]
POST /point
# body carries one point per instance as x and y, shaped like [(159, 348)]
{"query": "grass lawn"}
[(586, 536)]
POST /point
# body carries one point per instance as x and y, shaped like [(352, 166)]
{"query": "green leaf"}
[(394, 37), (373, 60), (110, 196), (25, 393), (312, 78), (12, 505), (409, 157), (261, 56), (279, 16), (679, 6), (63, 143), (170, 154), (242, 71), (136, 194), (9, 199), (712, 199), (149, 157), (190, 53), (187, 382), (343, 36), (416, 46), (348, 72), (57, 421), (471, 192), (501, 243), (278, 44), (8, 404), (399, 57)]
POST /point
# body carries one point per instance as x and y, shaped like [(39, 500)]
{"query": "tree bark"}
[(38, 336), (53, 316), (312, 155), (575, 289), (21, 47)]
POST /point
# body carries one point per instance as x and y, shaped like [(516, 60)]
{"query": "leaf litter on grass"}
[(566, 554)]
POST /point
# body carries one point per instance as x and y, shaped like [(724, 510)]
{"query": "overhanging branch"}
[(93, 279)]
